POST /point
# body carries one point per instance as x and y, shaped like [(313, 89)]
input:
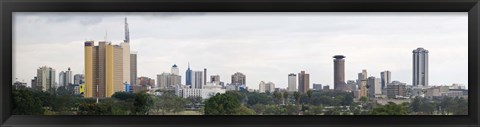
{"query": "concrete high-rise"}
[(65, 78), (104, 72), (197, 79), (266, 87), (239, 79), (339, 73), (420, 67), (303, 82), (292, 82), (45, 79), (374, 87), (168, 80), (385, 77), (362, 83), (61, 79), (133, 68)]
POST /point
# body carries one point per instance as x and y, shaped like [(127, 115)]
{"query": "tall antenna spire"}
[(188, 65), (127, 33)]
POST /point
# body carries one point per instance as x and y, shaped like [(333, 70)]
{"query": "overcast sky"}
[(263, 46)]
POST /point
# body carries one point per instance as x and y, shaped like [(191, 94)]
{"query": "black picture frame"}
[(9, 6)]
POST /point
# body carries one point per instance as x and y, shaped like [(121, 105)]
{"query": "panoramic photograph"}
[(240, 63)]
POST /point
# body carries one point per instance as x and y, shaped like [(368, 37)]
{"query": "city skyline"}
[(271, 63)]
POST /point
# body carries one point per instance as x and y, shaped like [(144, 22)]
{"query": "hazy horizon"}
[(263, 46)]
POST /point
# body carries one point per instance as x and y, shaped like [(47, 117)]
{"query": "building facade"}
[(266, 87), (292, 82), (303, 82), (45, 79), (168, 80), (374, 87), (362, 83), (339, 73), (197, 79), (104, 72), (78, 79), (396, 90), (317, 86), (188, 76), (385, 77), (420, 67), (239, 78), (133, 68), (215, 79)]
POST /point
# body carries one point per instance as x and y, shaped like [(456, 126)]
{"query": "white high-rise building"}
[(374, 87), (174, 69), (61, 78), (292, 82), (197, 79), (266, 87), (65, 78), (420, 67)]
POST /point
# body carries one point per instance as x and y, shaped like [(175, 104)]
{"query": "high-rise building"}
[(65, 78), (133, 68), (352, 85), (303, 82), (317, 86), (34, 83), (126, 55), (188, 76), (385, 76), (61, 79), (174, 69), (396, 89), (292, 82), (374, 87), (78, 79), (103, 69), (45, 79), (197, 79), (362, 83), (266, 87), (204, 76), (168, 80), (420, 67), (339, 73), (239, 79), (215, 79)]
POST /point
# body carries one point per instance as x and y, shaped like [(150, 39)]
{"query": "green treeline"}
[(27, 101)]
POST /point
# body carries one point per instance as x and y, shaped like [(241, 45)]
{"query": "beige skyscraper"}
[(303, 82), (103, 69), (126, 61), (362, 83), (45, 79)]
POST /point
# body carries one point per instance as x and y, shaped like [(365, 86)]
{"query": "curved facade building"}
[(420, 67)]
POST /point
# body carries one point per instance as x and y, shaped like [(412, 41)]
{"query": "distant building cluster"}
[(112, 68)]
